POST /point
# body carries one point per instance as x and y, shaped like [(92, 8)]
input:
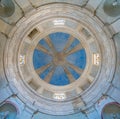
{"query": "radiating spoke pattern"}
[(50, 44), (71, 39), (69, 75), (78, 70), (43, 68), (59, 59), (40, 47), (77, 48), (48, 77)]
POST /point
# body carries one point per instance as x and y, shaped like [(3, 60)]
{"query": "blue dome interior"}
[(59, 73)]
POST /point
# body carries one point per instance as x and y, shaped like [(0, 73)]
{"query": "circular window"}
[(59, 59)]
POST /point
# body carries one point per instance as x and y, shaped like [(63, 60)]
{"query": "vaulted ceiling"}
[(60, 59)]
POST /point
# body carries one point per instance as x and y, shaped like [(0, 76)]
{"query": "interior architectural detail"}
[(7, 8), (111, 110), (112, 7), (60, 59), (8, 111)]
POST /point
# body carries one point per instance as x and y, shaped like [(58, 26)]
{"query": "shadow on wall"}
[(7, 8), (111, 111), (8, 111), (112, 7)]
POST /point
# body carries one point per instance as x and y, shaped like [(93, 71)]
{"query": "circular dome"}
[(54, 43), (59, 59)]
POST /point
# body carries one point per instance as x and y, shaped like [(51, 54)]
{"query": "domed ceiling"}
[(60, 57)]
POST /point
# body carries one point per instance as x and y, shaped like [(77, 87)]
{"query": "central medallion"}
[(59, 59)]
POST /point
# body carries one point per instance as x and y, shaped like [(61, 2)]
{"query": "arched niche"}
[(111, 111), (7, 8), (112, 8), (8, 111)]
